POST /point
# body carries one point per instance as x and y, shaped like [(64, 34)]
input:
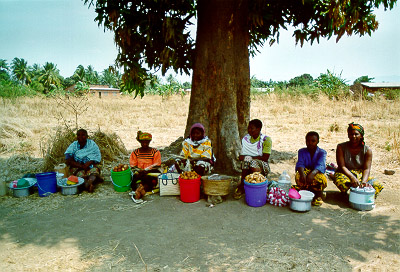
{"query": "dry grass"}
[(30, 130), (110, 145), (28, 125)]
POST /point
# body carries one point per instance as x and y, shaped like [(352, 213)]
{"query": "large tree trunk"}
[(220, 97)]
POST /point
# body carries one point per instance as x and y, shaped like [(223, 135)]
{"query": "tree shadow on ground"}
[(337, 198), (171, 233)]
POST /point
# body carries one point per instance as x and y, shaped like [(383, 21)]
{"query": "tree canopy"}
[(154, 34)]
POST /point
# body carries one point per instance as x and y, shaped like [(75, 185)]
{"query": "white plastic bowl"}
[(306, 195)]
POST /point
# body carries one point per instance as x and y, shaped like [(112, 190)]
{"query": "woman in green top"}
[(256, 149)]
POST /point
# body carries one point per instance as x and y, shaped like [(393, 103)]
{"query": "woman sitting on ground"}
[(143, 161), (354, 161), (256, 149), (197, 149), (83, 157), (310, 168)]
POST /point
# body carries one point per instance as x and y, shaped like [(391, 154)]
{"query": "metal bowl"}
[(300, 205), (69, 189), (362, 199), (24, 191)]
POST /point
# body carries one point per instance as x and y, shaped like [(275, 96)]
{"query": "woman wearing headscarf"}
[(197, 149), (83, 157), (144, 160), (354, 161)]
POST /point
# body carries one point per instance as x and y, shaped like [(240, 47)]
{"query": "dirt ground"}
[(107, 231)]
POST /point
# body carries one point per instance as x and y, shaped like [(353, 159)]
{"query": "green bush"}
[(392, 94), (303, 80), (10, 90)]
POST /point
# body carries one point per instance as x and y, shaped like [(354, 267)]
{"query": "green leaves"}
[(150, 35), (153, 34), (50, 77), (313, 19), (20, 71)]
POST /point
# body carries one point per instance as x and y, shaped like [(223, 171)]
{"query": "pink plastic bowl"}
[(294, 194)]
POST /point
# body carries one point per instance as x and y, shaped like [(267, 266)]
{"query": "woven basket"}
[(169, 184), (219, 187)]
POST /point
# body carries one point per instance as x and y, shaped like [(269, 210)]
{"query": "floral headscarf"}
[(143, 136), (359, 128)]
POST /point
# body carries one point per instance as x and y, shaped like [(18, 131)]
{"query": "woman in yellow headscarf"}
[(144, 160), (354, 161)]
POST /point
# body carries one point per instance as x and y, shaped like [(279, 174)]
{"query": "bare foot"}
[(140, 192)]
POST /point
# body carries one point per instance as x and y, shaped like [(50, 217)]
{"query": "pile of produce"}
[(189, 175), (120, 168), (72, 180), (255, 177)]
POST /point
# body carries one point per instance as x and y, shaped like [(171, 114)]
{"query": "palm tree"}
[(20, 71), (110, 77), (35, 71), (91, 75), (79, 74), (3, 65), (4, 70), (50, 77)]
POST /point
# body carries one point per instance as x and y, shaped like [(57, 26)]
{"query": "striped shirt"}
[(143, 160)]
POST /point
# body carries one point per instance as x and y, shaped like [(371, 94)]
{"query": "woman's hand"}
[(302, 179), (87, 165), (365, 185), (311, 176), (354, 182)]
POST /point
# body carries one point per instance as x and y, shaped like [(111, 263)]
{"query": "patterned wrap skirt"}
[(264, 166), (318, 184), (343, 182), (86, 173)]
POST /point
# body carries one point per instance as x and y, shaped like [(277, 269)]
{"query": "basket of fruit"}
[(121, 177)]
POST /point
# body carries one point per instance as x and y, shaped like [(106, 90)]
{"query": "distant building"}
[(371, 87), (99, 90), (103, 90)]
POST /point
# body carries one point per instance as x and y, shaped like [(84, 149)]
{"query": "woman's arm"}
[(367, 166), (303, 177), (87, 165), (133, 160), (320, 165), (342, 166), (73, 164)]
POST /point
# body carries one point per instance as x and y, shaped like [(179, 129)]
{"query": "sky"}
[(64, 32)]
